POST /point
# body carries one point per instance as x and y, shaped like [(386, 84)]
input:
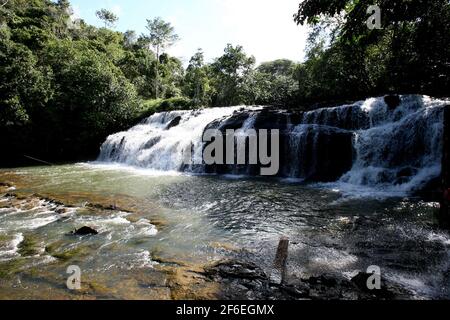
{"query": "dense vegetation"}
[(348, 60), (66, 85)]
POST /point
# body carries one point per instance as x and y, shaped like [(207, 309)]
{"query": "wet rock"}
[(392, 101), (151, 143), (175, 122), (236, 269), (84, 231), (388, 291), (61, 210), (245, 280)]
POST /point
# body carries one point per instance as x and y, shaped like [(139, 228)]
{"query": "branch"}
[(4, 4)]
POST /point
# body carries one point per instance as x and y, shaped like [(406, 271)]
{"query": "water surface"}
[(192, 219)]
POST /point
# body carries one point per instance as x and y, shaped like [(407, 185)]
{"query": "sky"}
[(265, 28)]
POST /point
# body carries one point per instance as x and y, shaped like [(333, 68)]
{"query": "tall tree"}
[(231, 71), (108, 17), (161, 35), (197, 84), (130, 38)]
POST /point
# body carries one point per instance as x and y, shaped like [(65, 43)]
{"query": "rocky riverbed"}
[(233, 278)]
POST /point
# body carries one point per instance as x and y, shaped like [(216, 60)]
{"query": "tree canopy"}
[(108, 17)]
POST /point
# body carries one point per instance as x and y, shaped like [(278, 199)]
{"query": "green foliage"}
[(151, 107), (229, 73), (161, 35), (197, 82), (410, 54), (77, 68), (108, 17), (24, 86), (61, 92), (273, 83)]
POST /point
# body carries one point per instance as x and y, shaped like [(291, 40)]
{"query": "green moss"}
[(4, 238), (11, 267), (29, 246), (65, 255)]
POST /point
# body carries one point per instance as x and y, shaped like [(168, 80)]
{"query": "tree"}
[(161, 36), (24, 85), (130, 38), (108, 17), (411, 53), (273, 83), (197, 84), (230, 73)]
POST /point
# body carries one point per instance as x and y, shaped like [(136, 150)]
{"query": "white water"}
[(400, 151), (151, 146), (395, 151)]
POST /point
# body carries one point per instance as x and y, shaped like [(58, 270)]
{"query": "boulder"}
[(392, 101), (175, 122), (85, 231)]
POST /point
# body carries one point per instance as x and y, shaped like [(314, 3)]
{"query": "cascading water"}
[(401, 150), (363, 145), (157, 143)]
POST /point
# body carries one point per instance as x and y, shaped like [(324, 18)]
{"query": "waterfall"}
[(157, 143), (401, 150), (368, 144)]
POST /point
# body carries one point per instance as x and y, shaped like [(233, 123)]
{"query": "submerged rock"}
[(84, 231)]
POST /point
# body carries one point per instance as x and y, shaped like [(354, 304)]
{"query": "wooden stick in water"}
[(281, 257)]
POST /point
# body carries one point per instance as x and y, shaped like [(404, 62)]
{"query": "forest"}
[(66, 85)]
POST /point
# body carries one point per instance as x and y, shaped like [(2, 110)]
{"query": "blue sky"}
[(264, 27)]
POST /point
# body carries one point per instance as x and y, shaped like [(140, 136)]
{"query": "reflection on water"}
[(200, 219)]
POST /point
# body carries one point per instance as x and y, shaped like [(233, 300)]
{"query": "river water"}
[(188, 220)]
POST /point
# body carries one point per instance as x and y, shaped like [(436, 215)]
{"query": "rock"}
[(61, 210), (392, 101), (84, 231), (325, 154), (151, 143), (388, 291), (175, 122), (245, 280), (236, 269), (320, 153)]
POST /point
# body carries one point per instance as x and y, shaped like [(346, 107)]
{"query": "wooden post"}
[(281, 257), (444, 215)]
